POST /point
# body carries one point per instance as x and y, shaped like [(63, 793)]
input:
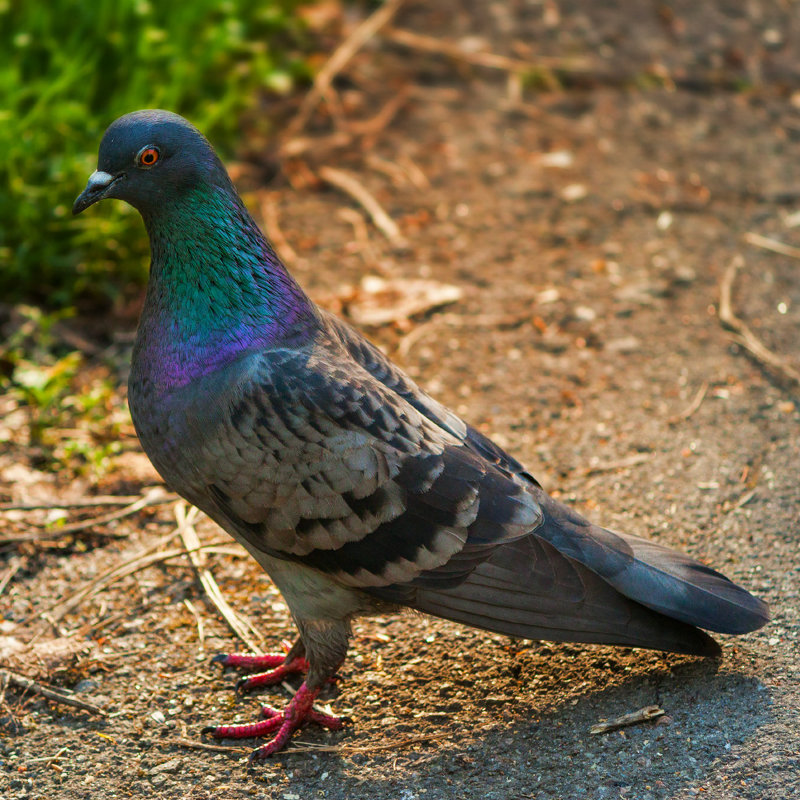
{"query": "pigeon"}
[(356, 491)]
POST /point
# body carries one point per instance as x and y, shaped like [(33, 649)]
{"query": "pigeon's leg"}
[(278, 666), (326, 646)]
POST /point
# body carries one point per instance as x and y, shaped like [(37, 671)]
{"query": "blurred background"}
[(575, 223), (69, 69)]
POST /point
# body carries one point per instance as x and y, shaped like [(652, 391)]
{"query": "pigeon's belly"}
[(312, 594)]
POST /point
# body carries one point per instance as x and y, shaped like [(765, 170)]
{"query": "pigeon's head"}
[(150, 159)]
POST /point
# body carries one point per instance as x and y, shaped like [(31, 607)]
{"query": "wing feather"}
[(309, 457)]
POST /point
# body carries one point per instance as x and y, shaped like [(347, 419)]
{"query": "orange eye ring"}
[(148, 156)]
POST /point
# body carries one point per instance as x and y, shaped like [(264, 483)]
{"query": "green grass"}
[(70, 416), (68, 69)]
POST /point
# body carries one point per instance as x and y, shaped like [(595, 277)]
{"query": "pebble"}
[(168, 766), (584, 313), (625, 344), (574, 192)]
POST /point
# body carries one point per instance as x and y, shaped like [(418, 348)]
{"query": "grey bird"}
[(355, 490)]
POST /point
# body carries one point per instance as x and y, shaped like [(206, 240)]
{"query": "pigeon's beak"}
[(99, 183)]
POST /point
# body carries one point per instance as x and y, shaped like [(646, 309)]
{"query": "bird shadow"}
[(541, 746)]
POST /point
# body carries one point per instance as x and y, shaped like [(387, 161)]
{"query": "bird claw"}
[(278, 668), (284, 723)]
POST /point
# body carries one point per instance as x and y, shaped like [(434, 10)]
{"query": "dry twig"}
[(85, 502), (623, 463), (28, 685), (153, 497), (349, 184), (430, 44), (193, 549), (352, 129), (499, 321), (338, 60), (374, 125), (692, 407), (729, 506), (140, 561), (362, 243), (395, 172), (201, 638), (12, 570), (345, 749), (633, 718), (269, 215), (775, 246), (211, 748), (310, 747), (743, 335), (414, 172)]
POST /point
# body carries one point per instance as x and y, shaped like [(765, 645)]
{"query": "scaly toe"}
[(246, 731), (282, 671), (249, 661), (282, 723)]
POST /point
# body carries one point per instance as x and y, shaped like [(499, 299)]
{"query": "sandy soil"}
[(589, 227)]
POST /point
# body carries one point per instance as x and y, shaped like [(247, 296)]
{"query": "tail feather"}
[(570, 580), (662, 579), (528, 589)]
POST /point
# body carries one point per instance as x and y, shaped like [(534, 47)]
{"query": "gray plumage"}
[(354, 489), (338, 473)]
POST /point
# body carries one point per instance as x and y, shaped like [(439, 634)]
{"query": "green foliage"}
[(69, 69), (71, 415)]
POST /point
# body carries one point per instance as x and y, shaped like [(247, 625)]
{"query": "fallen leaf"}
[(378, 301)]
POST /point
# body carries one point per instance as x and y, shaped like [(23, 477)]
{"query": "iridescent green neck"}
[(216, 287)]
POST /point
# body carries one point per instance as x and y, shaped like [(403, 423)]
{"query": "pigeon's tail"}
[(574, 581), (662, 579)]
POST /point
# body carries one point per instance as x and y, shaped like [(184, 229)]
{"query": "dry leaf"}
[(40, 659), (378, 301)]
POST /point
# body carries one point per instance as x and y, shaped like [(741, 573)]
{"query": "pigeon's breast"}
[(175, 419)]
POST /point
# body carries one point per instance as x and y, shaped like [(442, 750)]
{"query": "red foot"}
[(279, 668), (297, 713)]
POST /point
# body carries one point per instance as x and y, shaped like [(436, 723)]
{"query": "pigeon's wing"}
[(390, 375), (568, 579), (308, 457)]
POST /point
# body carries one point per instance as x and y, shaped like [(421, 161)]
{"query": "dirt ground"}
[(589, 220)]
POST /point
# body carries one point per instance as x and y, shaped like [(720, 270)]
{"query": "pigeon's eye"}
[(147, 156)]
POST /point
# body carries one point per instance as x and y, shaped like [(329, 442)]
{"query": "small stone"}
[(495, 700), (625, 344), (664, 220), (684, 275), (559, 159), (574, 192), (547, 296), (168, 766)]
